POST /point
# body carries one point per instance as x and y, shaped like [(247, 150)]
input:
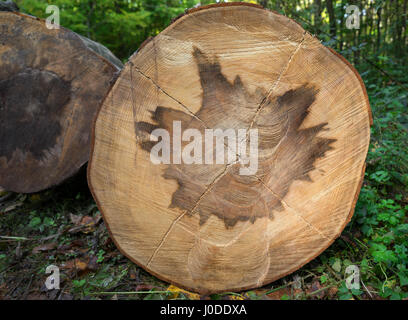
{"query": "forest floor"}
[(63, 227)]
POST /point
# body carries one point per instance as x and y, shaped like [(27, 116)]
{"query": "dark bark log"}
[(8, 6), (51, 85)]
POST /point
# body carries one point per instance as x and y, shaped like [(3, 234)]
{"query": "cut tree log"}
[(207, 226), (52, 83)]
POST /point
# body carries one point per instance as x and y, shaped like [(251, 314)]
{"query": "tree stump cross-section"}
[(180, 206)]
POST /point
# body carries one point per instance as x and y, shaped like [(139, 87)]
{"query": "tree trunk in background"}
[(386, 21), (278, 6), (209, 227), (50, 92), (332, 18), (91, 8), (404, 24), (379, 28), (398, 27), (370, 30), (264, 3), (318, 15), (341, 31)]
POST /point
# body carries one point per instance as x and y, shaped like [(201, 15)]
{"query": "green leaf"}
[(79, 283), (34, 222), (323, 279), (337, 265), (346, 296), (356, 292), (384, 256), (395, 296), (403, 276)]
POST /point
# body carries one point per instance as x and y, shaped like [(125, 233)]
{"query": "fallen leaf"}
[(45, 247), (81, 265), (85, 224), (176, 291), (332, 292), (314, 290), (75, 219), (93, 263), (86, 220), (277, 295), (78, 243), (145, 287)]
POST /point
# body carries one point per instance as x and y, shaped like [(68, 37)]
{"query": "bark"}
[(8, 6)]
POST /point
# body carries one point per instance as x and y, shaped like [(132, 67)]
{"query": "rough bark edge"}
[(237, 289), (111, 59), (114, 77), (101, 50)]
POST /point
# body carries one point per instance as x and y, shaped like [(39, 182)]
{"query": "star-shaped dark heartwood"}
[(286, 152)]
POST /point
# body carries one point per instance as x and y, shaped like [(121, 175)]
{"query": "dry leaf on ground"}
[(45, 247)]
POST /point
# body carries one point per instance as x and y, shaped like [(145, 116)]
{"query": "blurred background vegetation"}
[(122, 25), (376, 238)]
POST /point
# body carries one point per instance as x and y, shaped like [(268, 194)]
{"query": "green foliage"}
[(382, 209), (36, 223), (120, 25)]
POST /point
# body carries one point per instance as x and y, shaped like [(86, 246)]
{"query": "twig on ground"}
[(15, 238), (366, 289), (6, 197)]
